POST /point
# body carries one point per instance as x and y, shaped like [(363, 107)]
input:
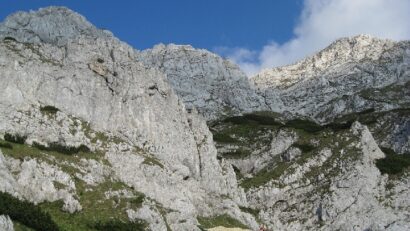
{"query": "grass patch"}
[(236, 154), (265, 175), (150, 160), (26, 213), (20, 227), (15, 138), (305, 125), (118, 225), (254, 212), (6, 145), (224, 138), (304, 147), (23, 151), (393, 163), (257, 118), (98, 212), (57, 147), (221, 220)]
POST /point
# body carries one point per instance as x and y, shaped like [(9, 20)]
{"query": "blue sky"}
[(255, 34), (203, 24)]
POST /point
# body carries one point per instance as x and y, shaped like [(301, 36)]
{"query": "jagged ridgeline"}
[(95, 135)]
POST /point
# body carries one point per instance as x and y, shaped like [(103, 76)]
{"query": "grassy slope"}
[(96, 208)]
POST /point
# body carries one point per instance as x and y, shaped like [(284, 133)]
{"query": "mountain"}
[(340, 79), (358, 75), (96, 135), (205, 81), (92, 92)]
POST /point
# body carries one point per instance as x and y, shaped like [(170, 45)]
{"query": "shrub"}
[(221, 220), (340, 126), (118, 225), (305, 125), (138, 200), (26, 213), (6, 145), (265, 175), (16, 138), (393, 163), (304, 147), (8, 38), (57, 147), (236, 154), (253, 119), (224, 138), (49, 110)]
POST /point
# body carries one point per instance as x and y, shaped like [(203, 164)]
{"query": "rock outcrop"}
[(53, 25), (335, 81), (216, 87), (96, 80), (6, 224)]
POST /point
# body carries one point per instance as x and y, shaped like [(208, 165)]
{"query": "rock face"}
[(96, 80), (53, 25), (6, 224), (335, 81), (215, 86)]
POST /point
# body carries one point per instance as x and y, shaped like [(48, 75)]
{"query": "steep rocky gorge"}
[(178, 138)]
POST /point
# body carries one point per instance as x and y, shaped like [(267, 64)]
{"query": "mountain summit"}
[(54, 25)]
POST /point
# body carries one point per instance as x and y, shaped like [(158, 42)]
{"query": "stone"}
[(6, 224)]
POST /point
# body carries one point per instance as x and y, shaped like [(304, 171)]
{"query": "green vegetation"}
[(5, 145), (237, 154), (265, 175), (366, 117), (221, 220), (224, 138), (94, 136), (393, 163), (238, 173), (15, 138), (20, 227), (389, 94), (49, 110), (304, 147), (8, 38), (98, 213), (57, 147), (150, 160), (305, 125), (254, 212), (257, 118), (119, 226), (26, 213), (96, 207), (248, 132), (22, 151)]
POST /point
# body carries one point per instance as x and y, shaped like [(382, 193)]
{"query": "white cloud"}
[(323, 21)]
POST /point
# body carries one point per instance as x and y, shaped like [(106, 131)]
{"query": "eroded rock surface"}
[(213, 85)]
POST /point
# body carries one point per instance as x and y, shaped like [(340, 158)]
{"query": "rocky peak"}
[(54, 25), (343, 51), (204, 80), (335, 81)]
